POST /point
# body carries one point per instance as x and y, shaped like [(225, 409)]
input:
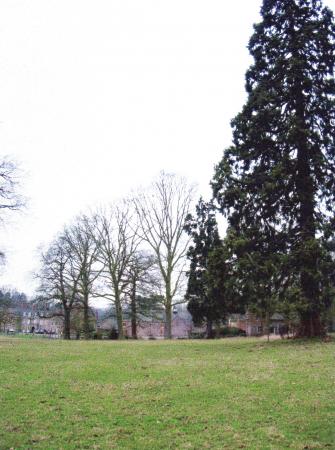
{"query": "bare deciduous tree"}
[(118, 241), (85, 251), (10, 199), (59, 280), (161, 211)]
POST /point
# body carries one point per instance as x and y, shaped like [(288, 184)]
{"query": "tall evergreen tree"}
[(204, 232), (278, 177)]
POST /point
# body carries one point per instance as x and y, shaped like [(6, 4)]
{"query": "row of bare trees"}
[(118, 252)]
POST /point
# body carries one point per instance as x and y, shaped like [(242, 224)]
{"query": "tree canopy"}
[(276, 183)]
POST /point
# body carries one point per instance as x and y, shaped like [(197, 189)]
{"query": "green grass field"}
[(227, 394)]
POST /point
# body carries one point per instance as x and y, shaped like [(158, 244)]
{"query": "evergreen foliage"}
[(276, 183), (205, 238), (210, 288)]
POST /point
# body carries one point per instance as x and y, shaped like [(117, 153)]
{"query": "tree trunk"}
[(168, 319), (310, 318), (267, 325), (119, 318), (309, 287), (209, 329), (86, 318), (310, 325), (133, 312), (67, 324)]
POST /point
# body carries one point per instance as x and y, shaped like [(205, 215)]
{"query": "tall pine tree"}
[(278, 177), (212, 279), (203, 229)]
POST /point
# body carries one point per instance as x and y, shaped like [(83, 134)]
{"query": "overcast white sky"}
[(98, 96)]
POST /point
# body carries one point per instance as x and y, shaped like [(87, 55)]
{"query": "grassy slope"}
[(229, 394)]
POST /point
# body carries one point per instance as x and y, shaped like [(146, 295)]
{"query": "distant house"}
[(27, 318), (254, 326), (36, 322), (153, 327), (181, 328)]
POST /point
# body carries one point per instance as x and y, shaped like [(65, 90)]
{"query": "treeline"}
[(11, 301), (275, 184), (126, 252)]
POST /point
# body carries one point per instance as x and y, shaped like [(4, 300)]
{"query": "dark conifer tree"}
[(211, 290), (205, 238), (278, 177)]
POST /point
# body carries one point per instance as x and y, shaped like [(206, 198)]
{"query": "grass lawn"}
[(229, 394)]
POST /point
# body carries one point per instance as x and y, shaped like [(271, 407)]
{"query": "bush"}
[(113, 334), (230, 332), (197, 335), (97, 335)]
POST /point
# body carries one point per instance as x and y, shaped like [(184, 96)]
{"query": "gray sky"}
[(98, 96)]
